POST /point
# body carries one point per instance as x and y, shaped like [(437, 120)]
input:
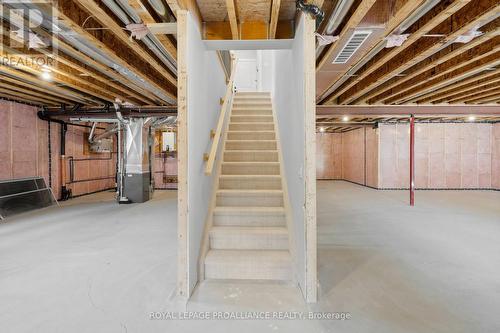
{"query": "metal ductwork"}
[(137, 181), (340, 11)]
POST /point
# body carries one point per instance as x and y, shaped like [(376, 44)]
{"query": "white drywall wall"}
[(264, 61), (288, 97), (206, 84)]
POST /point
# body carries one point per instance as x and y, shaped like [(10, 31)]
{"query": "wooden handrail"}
[(209, 166)]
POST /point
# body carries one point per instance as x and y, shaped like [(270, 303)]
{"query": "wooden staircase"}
[(248, 236)]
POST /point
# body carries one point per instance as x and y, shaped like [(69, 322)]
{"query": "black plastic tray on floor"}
[(23, 195)]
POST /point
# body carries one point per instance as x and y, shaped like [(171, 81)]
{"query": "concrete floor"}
[(94, 266)]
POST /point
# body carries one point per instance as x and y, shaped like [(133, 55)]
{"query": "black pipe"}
[(65, 193), (50, 153), (313, 10)]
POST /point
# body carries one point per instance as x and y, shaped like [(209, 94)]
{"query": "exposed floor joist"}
[(429, 50)]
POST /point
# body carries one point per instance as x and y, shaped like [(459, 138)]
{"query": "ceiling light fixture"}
[(345, 118), (46, 76), (322, 129), (472, 118)]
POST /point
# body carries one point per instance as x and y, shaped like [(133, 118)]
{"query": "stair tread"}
[(253, 230), (250, 123), (236, 131), (233, 191), (238, 256), (260, 151), (249, 162), (248, 209), (246, 141), (250, 176)]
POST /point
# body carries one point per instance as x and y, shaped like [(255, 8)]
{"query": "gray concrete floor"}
[(94, 266)]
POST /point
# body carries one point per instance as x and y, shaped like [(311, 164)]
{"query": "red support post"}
[(412, 160)]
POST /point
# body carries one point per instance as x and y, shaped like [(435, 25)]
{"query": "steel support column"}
[(412, 160)]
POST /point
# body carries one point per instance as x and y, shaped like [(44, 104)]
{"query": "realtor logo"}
[(27, 35)]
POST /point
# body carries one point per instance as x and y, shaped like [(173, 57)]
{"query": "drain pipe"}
[(65, 193), (311, 9)]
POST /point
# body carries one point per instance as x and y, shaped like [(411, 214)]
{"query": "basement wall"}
[(495, 161), (351, 156), (91, 172), (329, 156), (24, 152), (165, 168), (24, 144), (447, 156)]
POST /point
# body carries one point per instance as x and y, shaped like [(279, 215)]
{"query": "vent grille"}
[(352, 45)]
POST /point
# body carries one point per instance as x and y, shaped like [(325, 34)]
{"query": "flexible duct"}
[(311, 9)]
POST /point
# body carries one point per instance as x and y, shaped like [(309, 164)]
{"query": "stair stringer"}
[(286, 202), (205, 241)]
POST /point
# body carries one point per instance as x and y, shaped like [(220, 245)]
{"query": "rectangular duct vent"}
[(352, 45)]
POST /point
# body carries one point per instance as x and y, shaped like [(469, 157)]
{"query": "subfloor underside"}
[(94, 266)]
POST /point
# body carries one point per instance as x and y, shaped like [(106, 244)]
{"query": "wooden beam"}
[(61, 77), (310, 213), (91, 66), (182, 158), (484, 76), (22, 85), (485, 98), (47, 85), (231, 12), (163, 29), (188, 5), (106, 21), (405, 110), (475, 94), (120, 53), (353, 22), (428, 64), (20, 99), (442, 71), (79, 61), (454, 77), (388, 55), (275, 12), (23, 96), (72, 72), (457, 93), (32, 92), (155, 27), (479, 15)]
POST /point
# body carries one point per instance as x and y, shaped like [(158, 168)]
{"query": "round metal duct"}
[(158, 6)]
